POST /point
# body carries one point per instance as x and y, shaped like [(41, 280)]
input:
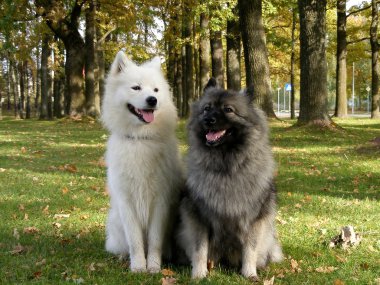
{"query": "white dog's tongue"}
[(147, 115), (214, 136)]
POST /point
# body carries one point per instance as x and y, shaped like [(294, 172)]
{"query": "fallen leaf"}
[(26, 216), (168, 281), (269, 282), (167, 272), (338, 282), (2, 169), (326, 269), (41, 262), (84, 217), (298, 205), (46, 210), (61, 216), (57, 225), (91, 267), (294, 265), (21, 207), (31, 230), (37, 275), (18, 249), (70, 168), (23, 150), (65, 190), (16, 234)]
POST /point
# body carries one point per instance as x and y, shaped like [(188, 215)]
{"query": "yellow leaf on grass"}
[(338, 282), (167, 272), (168, 281), (31, 230), (269, 282), (326, 269)]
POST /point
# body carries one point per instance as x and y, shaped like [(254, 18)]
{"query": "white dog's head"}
[(137, 98)]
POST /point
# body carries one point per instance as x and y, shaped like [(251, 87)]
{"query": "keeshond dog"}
[(143, 166), (229, 206)]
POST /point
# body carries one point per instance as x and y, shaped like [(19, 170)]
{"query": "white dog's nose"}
[(152, 101)]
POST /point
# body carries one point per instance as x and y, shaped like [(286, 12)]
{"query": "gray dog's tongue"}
[(147, 115), (215, 135)]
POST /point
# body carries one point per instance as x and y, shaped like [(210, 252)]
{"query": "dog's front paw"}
[(138, 266), (154, 263), (154, 269), (251, 274), (199, 272)]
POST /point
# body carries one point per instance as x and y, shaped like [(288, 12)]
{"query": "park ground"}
[(53, 205)]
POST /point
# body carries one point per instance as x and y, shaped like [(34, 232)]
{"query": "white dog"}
[(144, 171)]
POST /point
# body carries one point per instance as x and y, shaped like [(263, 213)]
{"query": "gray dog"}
[(228, 210)]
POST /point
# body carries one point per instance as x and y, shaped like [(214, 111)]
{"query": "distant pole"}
[(353, 87), (278, 100), (284, 98), (368, 89)]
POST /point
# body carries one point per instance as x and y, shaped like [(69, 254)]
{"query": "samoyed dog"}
[(143, 166)]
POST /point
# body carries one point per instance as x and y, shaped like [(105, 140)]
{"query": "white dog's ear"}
[(154, 63), (120, 63)]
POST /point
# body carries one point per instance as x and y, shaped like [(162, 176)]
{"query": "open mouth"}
[(214, 137), (144, 115)]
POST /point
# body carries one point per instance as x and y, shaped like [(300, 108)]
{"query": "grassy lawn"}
[(53, 205)]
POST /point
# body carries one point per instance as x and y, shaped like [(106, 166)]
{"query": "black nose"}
[(209, 121), (152, 101)]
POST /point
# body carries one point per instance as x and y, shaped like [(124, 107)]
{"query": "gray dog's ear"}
[(249, 92), (211, 84)]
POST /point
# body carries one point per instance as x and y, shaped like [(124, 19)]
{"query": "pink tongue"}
[(148, 116), (213, 136)]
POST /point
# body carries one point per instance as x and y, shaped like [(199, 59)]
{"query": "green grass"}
[(325, 179)]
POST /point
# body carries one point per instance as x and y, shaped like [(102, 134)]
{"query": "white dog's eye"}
[(228, 109), (155, 90), (137, 87)]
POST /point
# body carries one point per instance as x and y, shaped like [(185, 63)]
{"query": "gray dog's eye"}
[(137, 87), (207, 108), (155, 89), (228, 110)]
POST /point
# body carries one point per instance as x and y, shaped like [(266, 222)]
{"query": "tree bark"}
[(341, 58), (313, 104), (92, 109), (204, 52), (45, 86), (375, 111), (292, 67), (187, 59), (217, 65), (255, 53), (233, 54)]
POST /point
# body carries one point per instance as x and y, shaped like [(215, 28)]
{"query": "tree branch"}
[(357, 41), (101, 40), (360, 10)]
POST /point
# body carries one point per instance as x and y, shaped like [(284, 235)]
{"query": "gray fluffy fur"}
[(228, 210)]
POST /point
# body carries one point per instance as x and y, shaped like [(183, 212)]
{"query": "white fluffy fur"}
[(144, 172)]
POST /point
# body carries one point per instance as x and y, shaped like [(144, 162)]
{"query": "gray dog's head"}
[(223, 117)]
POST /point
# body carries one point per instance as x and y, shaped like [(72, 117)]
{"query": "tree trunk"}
[(187, 59), (217, 66), (38, 80), (375, 111), (313, 105), (21, 105), (204, 52), (341, 57), (91, 107), (292, 65), (66, 27), (45, 86), (233, 54), (28, 91), (255, 53)]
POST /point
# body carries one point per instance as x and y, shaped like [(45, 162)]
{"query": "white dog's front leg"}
[(157, 233), (134, 234), (199, 256)]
